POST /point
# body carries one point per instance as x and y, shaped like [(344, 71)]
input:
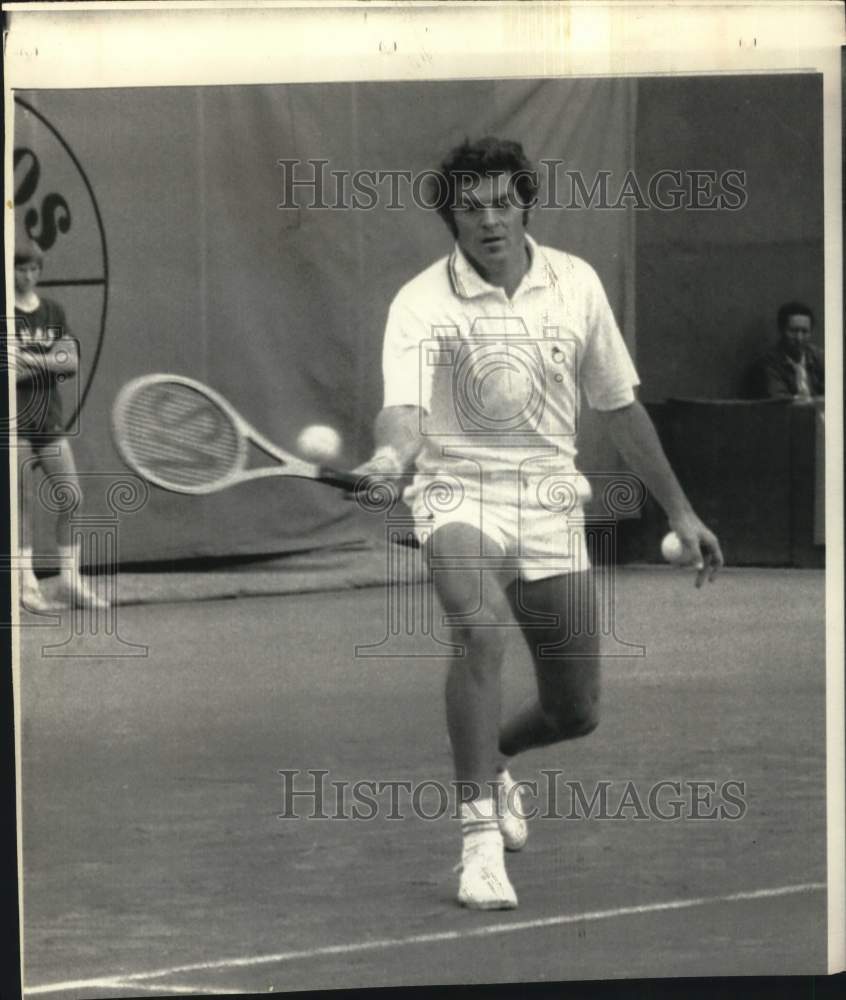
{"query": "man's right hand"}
[(385, 461), (385, 465)]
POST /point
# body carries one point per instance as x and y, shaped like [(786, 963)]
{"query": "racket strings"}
[(176, 435)]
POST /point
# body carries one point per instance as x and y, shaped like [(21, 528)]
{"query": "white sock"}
[(479, 825), (510, 800), (505, 780)]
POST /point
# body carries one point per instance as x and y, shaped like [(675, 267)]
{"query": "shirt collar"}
[(468, 283)]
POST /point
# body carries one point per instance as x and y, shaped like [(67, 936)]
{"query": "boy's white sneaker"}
[(33, 599), (76, 593)]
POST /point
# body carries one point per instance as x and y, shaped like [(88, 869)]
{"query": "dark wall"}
[(709, 282)]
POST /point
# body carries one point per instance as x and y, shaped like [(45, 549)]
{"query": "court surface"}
[(155, 861)]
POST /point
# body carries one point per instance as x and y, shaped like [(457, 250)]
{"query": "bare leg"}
[(59, 464), (25, 490), (31, 595), (566, 659), (473, 696), (476, 604)]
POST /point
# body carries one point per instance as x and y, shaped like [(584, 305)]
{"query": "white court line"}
[(123, 984), (381, 944), (72, 984)]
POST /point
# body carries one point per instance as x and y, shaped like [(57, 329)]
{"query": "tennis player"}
[(486, 355), (47, 354)]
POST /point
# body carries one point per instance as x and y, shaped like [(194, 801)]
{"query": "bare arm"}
[(397, 437), (398, 440), (634, 435)]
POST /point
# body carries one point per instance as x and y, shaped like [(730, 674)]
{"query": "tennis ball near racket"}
[(319, 443), (673, 550)]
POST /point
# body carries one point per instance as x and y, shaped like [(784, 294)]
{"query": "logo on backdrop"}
[(55, 206)]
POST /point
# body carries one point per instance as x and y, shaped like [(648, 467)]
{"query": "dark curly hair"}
[(473, 160), (793, 309)]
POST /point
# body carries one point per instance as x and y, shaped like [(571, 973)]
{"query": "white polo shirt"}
[(500, 379)]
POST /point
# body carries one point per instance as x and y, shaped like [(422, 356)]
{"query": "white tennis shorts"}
[(531, 524)]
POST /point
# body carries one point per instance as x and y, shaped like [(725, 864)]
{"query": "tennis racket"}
[(184, 437)]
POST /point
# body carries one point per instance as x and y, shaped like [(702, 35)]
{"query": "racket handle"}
[(343, 480)]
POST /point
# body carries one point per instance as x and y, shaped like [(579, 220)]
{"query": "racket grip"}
[(344, 480)]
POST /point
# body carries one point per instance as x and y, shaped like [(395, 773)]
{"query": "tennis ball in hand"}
[(319, 443), (673, 550)]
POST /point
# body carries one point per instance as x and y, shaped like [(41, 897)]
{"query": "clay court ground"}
[(155, 861)]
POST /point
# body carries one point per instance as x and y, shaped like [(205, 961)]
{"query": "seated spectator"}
[(793, 369)]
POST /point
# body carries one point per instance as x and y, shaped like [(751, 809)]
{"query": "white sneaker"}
[(484, 881), (33, 599), (78, 594), (512, 821)]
